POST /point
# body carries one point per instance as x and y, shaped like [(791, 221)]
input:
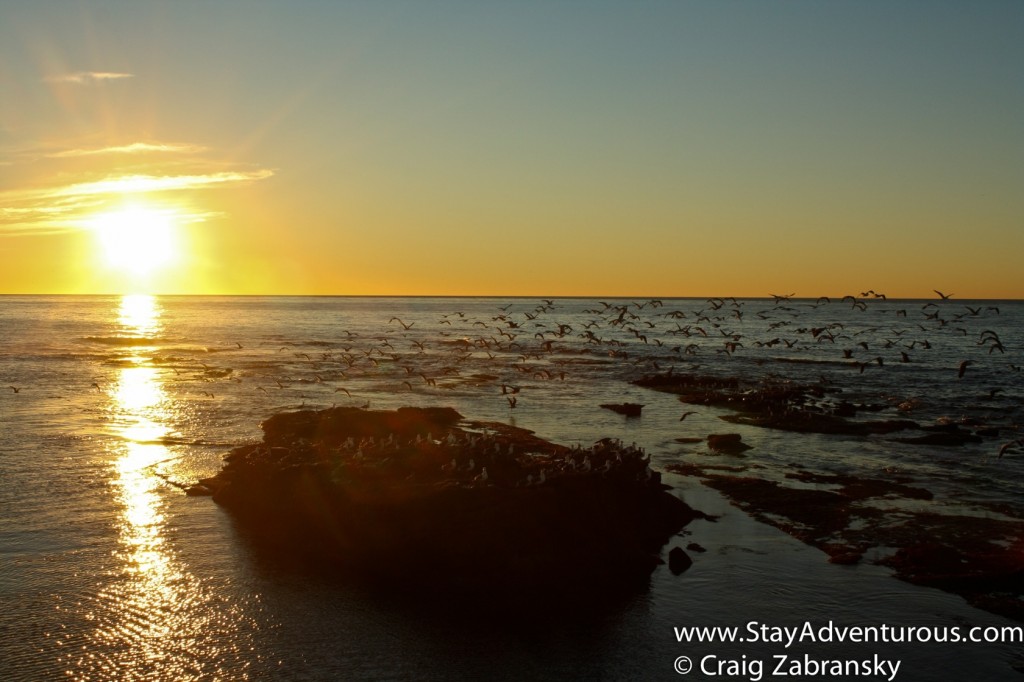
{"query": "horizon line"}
[(769, 297)]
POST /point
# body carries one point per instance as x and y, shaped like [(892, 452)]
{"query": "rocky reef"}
[(802, 408), (421, 496), (971, 550)]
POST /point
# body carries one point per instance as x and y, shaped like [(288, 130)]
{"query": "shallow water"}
[(108, 570)]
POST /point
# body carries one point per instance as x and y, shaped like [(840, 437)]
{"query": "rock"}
[(678, 560), (396, 497), (628, 409), (845, 409), (727, 443), (845, 558), (949, 438)]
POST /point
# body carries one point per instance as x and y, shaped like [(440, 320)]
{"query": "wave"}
[(122, 340), (812, 361)]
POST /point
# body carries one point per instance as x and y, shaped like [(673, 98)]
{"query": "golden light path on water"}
[(155, 619)]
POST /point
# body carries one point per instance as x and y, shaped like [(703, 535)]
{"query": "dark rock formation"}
[(678, 560), (628, 409), (777, 404), (976, 556), (727, 443), (416, 496), (949, 434)]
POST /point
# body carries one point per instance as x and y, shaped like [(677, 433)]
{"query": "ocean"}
[(109, 406)]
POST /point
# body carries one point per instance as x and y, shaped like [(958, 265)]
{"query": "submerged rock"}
[(628, 409), (678, 560), (977, 556), (727, 443), (776, 404), (418, 496)]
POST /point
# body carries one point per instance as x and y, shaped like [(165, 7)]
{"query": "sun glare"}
[(137, 240)]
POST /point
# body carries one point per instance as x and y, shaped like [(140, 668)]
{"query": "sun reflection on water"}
[(154, 614), (140, 314)]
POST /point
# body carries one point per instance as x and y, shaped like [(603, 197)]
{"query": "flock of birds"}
[(525, 342), (488, 459)]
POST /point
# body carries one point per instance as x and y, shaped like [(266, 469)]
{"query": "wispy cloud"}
[(87, 77), (37, 217), (130, 184), (134, 148), (67, 207)]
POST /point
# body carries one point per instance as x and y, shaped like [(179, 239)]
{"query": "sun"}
[(137, 240)]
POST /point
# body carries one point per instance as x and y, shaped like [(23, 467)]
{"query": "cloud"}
[(130, 184), (67, 207), (35, 217), (134, 148), (88, 77)]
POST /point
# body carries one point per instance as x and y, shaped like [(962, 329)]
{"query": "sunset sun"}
[(137, 240)]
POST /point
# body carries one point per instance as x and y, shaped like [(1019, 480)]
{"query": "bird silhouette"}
[(687, 414), (942, 295), (1007, 446)]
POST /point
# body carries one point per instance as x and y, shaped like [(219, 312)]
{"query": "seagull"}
[(18, 390), (963, 368), (687, 414), (942, 295), (1006, 447)]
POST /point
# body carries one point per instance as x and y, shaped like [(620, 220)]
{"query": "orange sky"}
[(638, 149)]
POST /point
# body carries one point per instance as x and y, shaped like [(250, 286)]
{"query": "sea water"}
[(110, 405)]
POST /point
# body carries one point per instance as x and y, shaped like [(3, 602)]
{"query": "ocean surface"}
[(108, 405)]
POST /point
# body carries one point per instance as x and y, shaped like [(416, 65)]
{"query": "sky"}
[(529, 148)]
